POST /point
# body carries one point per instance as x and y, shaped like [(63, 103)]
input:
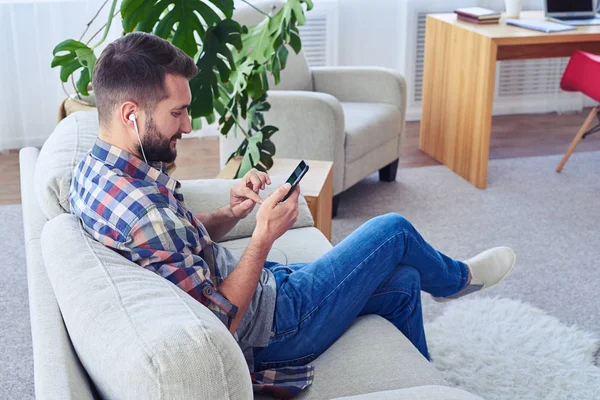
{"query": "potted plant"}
[(233, 62)]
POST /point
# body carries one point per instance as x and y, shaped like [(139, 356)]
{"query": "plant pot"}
[(76, 103), (513, 8)]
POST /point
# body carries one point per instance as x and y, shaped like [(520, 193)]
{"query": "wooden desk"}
[(317, 186), (459, 77)]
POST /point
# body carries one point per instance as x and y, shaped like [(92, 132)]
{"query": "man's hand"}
[(273, 218), (244, 193)]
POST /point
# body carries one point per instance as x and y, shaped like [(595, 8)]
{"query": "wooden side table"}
[(317, 186)]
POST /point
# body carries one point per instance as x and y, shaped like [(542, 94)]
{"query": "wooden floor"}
[(512, 136)]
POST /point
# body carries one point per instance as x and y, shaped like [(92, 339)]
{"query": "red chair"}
[(582, 75)]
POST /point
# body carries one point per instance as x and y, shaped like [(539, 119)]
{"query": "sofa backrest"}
[(296, 75), (137, 335), (72, 138)]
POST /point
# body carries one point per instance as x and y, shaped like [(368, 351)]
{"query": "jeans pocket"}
[(294, 362), (282, 267)]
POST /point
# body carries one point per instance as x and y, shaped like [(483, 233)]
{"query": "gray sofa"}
[(353, 116), (104, 328)]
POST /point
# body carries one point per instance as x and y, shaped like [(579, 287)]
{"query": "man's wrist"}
[(261, 240), (230, 214)]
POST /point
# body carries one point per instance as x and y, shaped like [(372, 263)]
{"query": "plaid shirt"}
[(137, 210)]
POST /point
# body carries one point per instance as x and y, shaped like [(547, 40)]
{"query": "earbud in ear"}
[(132, 117)]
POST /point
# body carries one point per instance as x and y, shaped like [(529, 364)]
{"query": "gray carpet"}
[(551, 220), (16, 358)]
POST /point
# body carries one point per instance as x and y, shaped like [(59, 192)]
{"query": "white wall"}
[(372, 32), (30, 90)]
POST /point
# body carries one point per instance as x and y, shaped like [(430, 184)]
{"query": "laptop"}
[(572, 12)]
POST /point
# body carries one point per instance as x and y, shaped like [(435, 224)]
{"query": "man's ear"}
[(126, 109)]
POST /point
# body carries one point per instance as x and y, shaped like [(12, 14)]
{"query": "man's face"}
[(169, 120)]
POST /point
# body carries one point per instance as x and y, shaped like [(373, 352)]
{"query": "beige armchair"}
[(353, 116)]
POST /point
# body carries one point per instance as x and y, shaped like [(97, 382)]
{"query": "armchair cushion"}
[(296, 75), (362, 84), (368, 126)]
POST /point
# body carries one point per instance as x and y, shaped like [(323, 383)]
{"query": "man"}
[(281, 315)]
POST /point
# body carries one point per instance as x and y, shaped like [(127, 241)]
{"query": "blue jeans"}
[(380, 269)]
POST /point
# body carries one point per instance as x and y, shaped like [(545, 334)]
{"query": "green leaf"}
[(68, 45), (72, 55), (86, 57), (295, 42), (260, 167), (196, 123), (205, 85), (251, 155), (250, 158), (83, 81), (178, 20), (210, 119), (227, 126), (68, 69), (62, 60), (268, 131), (282, 54)]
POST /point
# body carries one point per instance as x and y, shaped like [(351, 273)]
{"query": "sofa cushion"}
[(137, 335), (372, 355), (203, 195), (291, 247), (368, 126), (72, 138)]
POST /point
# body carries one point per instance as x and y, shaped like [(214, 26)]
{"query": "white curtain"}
[(30, 91)]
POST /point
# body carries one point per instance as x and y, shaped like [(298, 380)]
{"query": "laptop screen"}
[(560, 6)]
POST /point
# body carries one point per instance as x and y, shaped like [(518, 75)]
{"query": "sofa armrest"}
[(204, 195), (311, 126), (362, 84)]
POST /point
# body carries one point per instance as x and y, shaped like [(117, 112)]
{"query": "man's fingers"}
[(264, 177), (278, 195), (255, 181), (295, 194), (249, 193)]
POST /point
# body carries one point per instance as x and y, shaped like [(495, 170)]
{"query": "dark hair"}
[(133, 68)]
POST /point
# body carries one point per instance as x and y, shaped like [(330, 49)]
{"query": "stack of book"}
[(478, 15)]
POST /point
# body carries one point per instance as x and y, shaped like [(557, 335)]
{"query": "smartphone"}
[(295, 178)]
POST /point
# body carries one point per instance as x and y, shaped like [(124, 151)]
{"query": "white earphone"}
[(133, 118)]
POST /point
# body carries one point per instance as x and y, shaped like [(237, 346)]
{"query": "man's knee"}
[(395, 221)]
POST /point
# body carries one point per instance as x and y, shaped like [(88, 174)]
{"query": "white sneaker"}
[(487, 269)]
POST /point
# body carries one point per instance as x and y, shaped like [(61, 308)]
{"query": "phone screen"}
[(295, 178), (297, 173)]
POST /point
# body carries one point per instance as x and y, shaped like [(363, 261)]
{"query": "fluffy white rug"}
[(505, 349)]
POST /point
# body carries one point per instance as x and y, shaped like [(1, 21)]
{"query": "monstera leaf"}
[(177, 20), (72, 55), (182, 22), (215, 64), (233, 61)]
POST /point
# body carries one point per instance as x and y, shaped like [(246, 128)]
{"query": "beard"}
[(157, 147)]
